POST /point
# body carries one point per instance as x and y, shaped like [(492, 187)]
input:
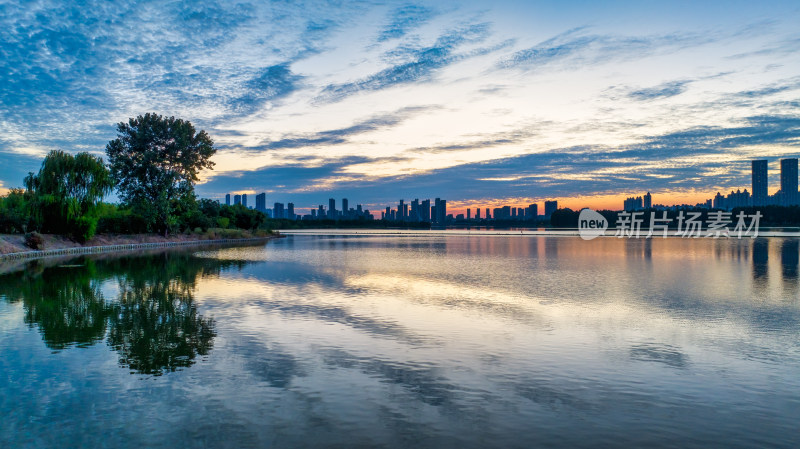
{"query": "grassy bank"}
[(14, 243)]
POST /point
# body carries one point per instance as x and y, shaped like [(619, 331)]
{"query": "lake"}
[(420, 339)]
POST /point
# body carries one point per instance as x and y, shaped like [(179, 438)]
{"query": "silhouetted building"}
[(227, 199), (550, 207), (345, 207), (760, 183), (441, 211), (648, 201), (332, 209), (277, 211), (290, 211), (261, 202), (425, 210), (237, 200), (244, 199), (533, 211), (789, 181)]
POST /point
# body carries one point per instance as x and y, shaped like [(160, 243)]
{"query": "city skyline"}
[(758, 195), (483, 105)]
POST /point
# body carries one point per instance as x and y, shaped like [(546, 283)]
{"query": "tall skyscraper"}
[(441, 211), (345, 208), (425, 210), (237, 200), (290, 211), (550, 207), (469, 214), (261, 202), (760, 183), (277, 211), (648, 201), (789, 181), (332, 209), (488, 215), (227, 199), (244, 199), (533, 211)]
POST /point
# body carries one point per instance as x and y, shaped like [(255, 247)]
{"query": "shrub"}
[(34, 240), (83, 228)]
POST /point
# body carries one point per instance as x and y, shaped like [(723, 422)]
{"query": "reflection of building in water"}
[(760, 259), (790, 257), (153, 323)]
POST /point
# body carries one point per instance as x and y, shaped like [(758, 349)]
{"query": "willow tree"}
[(66, 191), (156, 161)]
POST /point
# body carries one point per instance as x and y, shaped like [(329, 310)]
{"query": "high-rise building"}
[(533, 211), (469, 214), (789, 181), (760, 182), (488, 215), (290, 211), (277, 211), (414, 215), (648, 201), (332, 209), (425, 210), (441, 211), (237, 200), (244, 199), (550, 207), (227, 199), (345, 208), (321, 212), (261, 202), (477, 213)]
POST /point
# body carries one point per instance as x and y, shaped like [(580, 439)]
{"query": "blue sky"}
[(478, 102)]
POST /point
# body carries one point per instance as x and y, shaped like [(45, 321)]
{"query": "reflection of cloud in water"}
[(666, 354), (422, 379)]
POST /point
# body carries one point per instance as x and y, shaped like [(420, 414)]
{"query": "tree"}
[(66, 191), (156, 161)]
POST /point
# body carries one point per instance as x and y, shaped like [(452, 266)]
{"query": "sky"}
[(480, 103)]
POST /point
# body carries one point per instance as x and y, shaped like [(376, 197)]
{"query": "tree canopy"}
[(65, 192), (155, 161)]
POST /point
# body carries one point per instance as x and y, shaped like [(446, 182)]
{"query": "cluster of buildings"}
[(286, 211), (787, 195), (436, 213), (414, 212)]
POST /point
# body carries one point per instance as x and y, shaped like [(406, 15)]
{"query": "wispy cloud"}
[(340, 136), (422, 63), (404, 19), (665, 90)]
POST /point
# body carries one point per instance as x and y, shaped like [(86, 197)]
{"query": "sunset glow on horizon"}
[(508, 104)]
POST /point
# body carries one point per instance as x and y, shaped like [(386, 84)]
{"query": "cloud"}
[(340, 136), (404, 19), (665, 90), (582, 49), (422, 63), (700, 158), (270, 84)]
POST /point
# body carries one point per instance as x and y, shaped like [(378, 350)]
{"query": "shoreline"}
[(97, 249)]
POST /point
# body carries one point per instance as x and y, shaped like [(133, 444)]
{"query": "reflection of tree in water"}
[(66, 304), (153, 323)]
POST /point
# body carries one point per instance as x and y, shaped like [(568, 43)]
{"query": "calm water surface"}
[(407, 341)]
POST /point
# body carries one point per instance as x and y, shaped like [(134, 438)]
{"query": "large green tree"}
[(155, 161), (66, 191)]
